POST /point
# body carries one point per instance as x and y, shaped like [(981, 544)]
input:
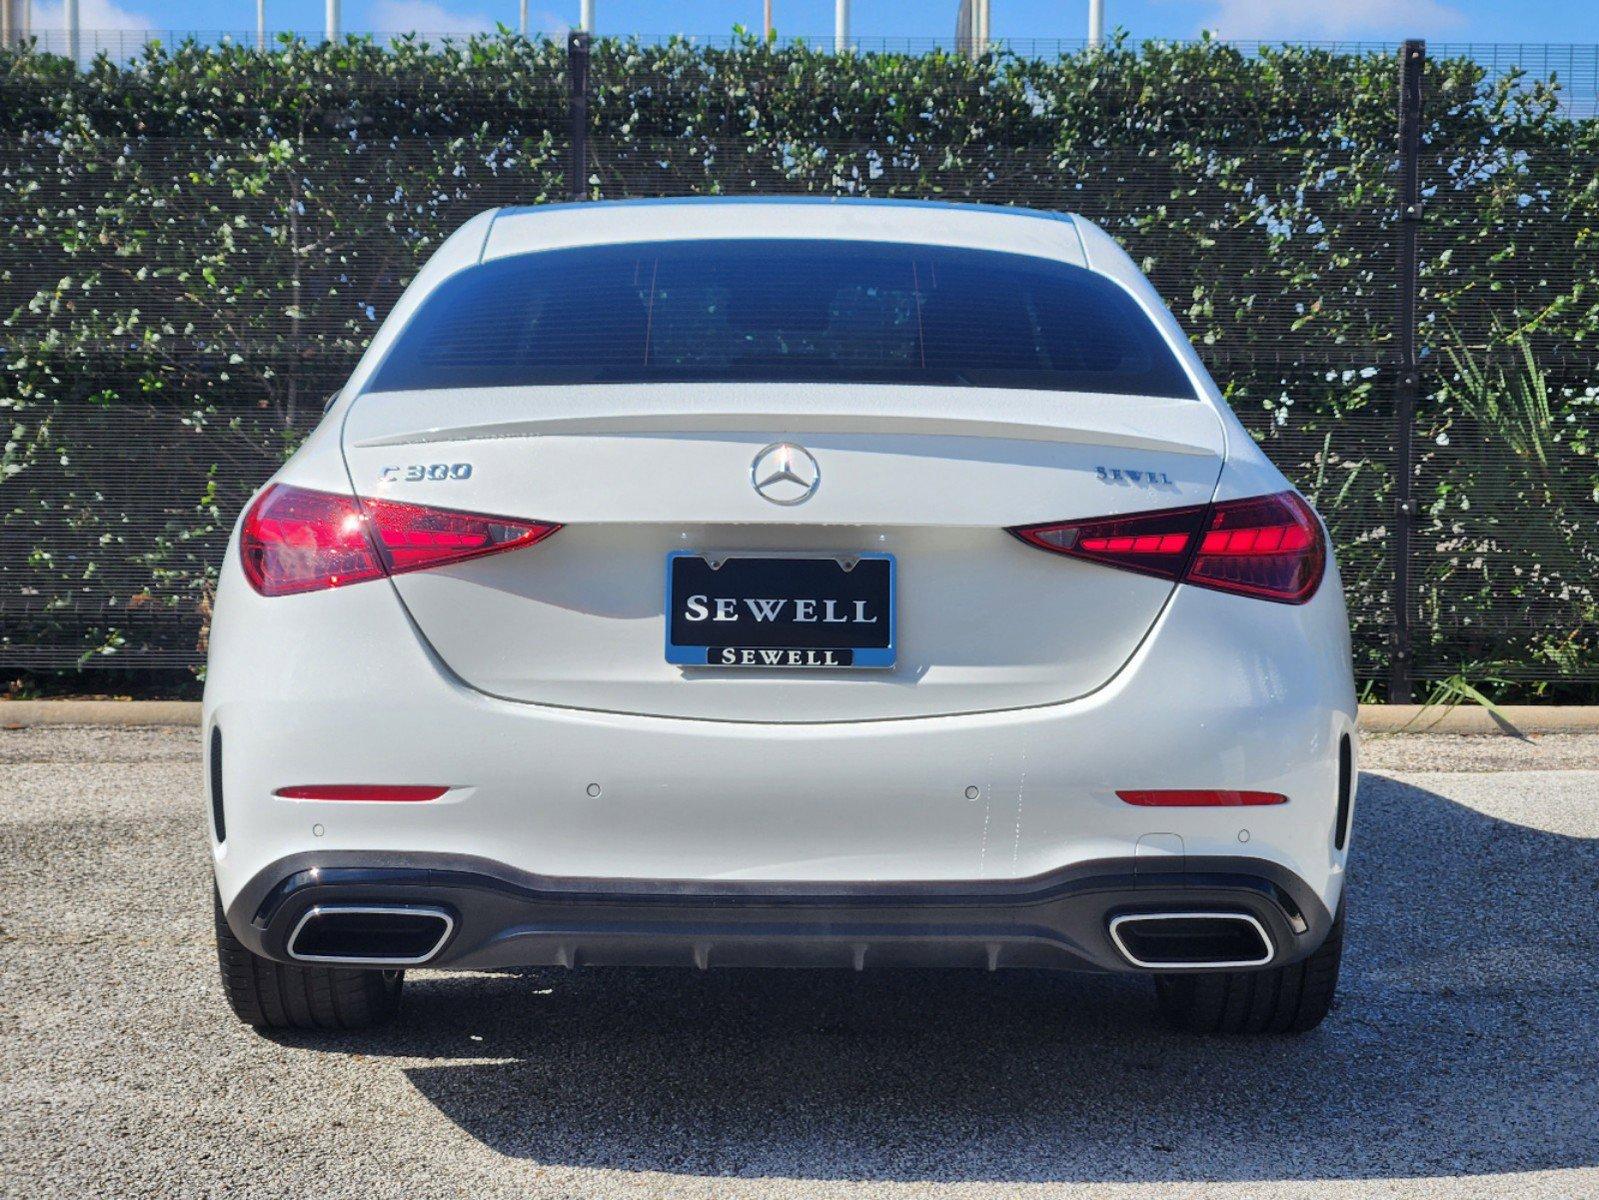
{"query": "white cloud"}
[(545, 22), (1280, 20), (92, 14), (425, 16), (102, 25)]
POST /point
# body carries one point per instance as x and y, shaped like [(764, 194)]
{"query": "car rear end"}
[(823, 584)]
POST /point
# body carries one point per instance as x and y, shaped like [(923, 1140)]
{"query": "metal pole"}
[(840, 26), (14, 22), (331, 33), (521, 18), (1413, 58), (70, 12), (577, 98), (260, 24), (585, 20), (1096, 23), (766, 19)]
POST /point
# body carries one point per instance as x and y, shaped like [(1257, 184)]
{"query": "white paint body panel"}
[(533, 683), (931, 476)]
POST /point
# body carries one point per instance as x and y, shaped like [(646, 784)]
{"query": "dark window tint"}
[(782, 311)]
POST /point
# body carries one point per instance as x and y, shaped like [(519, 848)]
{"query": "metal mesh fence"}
[(199, 242)]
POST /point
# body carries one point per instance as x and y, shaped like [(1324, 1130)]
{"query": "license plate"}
[(770, 611)]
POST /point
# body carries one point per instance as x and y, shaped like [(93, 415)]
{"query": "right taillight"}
[(1269, 547), (298, 540)]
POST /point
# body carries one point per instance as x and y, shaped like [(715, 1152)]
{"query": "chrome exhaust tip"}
[(1191, 941), (370, 935)]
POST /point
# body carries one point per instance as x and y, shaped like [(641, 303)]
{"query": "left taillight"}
[(299, 540), (296, 540), (1269, 547)]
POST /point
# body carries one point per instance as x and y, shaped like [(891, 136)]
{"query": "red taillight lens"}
[(411, 536), (297, 540), (1270, 547), (1196, 798), (1155, 543)]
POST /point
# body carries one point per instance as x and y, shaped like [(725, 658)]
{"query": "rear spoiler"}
[(1167, 425)]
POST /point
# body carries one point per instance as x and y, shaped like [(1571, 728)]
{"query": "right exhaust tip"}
[(1193, 941), (370, 935)]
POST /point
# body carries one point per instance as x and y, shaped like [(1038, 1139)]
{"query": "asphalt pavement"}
[(1462, 1060)]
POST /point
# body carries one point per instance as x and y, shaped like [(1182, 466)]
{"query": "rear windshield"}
[(782, 311)]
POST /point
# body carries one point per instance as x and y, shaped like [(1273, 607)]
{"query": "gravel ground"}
[(1463, 1059)]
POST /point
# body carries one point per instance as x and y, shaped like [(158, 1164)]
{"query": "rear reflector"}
[(1195, 798), (298, 540), (1270, 547), (360, 791)]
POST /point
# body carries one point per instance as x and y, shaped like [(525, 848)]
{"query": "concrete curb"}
[(1374, 718), (1511, 718), (99, 712)]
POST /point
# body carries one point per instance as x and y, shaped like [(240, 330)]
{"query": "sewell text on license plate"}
[(782, 612)]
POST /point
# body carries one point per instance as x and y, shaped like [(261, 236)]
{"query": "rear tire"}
[(274, 995), (1291, 999)]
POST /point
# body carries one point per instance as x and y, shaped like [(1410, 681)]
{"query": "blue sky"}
[(1436, 20)]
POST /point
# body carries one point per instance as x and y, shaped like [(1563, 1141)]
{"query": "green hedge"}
[(195, 246)]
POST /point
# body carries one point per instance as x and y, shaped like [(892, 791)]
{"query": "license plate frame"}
[(784, 645)]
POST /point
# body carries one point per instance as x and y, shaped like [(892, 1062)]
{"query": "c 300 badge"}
[(426, 472)]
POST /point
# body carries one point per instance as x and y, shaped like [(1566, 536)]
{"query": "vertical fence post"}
[(577, 95), (1413, 58)]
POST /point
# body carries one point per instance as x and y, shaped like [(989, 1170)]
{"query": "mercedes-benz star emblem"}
[(785, 473)]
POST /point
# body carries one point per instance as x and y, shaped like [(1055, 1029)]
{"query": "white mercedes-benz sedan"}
[(779, 583)]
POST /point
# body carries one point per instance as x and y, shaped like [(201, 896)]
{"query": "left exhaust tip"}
[(1194, 941), (370, 935)]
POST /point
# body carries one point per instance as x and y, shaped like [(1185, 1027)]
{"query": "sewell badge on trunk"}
[(771, 611)]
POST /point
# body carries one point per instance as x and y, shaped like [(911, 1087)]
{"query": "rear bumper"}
[(339, 689), (502, 917)]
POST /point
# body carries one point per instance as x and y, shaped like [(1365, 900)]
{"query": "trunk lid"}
[(932, 477)]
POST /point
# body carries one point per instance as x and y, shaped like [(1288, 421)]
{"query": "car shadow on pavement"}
[(1464, 1043)]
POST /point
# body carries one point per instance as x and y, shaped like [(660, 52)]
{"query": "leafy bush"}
[(196, 246)]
